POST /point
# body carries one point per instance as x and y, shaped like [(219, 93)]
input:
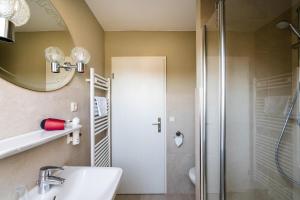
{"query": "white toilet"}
[(192, 175)]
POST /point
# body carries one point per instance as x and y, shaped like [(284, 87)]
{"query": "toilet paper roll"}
[(178, 139)]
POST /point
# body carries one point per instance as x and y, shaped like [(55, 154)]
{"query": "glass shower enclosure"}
[(249, 112)]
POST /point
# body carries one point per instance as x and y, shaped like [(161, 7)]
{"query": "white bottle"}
[(76, 134)]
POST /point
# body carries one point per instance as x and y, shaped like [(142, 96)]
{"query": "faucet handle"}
[(48, 170)]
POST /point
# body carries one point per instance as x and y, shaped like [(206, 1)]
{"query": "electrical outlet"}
[(74, 107)]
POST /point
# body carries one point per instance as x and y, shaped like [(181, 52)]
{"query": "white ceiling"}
[(145, 15)]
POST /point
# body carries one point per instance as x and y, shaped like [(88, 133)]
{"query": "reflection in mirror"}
[(23, 62), (56, 57)]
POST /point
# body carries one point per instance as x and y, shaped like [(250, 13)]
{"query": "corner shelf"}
[(20, 143)]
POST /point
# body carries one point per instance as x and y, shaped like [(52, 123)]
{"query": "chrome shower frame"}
[(222, 100), (203, 136), (222, 107)]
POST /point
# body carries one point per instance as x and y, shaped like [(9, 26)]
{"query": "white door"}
[(138, 101)]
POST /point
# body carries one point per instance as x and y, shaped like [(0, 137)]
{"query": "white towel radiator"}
[(100, 134)]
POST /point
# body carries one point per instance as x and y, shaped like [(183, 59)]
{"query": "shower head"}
[(285, 25)]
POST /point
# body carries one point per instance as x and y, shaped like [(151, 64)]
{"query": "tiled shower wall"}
[(275, 76)]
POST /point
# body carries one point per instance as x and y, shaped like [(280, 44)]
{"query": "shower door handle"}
[(158, 124)]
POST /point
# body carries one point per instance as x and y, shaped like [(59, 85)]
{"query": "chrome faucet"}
[(46, 179)]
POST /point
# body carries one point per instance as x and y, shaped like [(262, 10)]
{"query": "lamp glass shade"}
[(7, 8), (54, 54), (21, 14), (81, 55)]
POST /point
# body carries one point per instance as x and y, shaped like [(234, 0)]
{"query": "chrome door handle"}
[(158, 123)]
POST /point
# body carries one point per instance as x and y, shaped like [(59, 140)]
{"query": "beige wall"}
[(179, 47), (22, 110)]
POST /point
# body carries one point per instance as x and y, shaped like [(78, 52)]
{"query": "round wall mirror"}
[(23, 62)]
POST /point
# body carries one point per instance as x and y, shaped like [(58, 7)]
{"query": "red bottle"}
[(51, 124)]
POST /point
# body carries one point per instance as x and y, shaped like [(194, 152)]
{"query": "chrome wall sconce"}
[(56, 58), (12, 13)]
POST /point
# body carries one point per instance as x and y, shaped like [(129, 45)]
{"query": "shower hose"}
[(278, 144)]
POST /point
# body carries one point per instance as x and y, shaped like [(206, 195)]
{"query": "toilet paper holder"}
[(178, 133), (178, 139)]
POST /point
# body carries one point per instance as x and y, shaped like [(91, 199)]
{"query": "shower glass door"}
[(262, 59), (258, 157), (210, 149)]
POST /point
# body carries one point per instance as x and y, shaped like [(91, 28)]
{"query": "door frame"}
[(164, 115)]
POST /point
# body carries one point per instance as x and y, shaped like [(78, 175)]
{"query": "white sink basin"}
[(90, 183)]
